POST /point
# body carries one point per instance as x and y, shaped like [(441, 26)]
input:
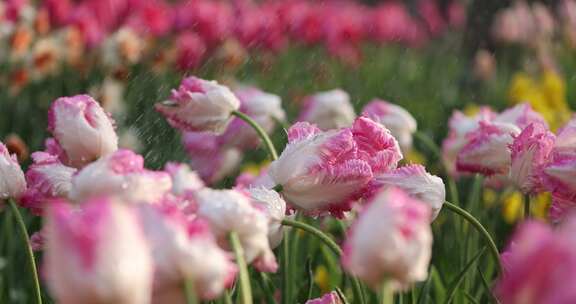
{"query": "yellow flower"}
[(254, 168), (513, 206), (322, 278), (546, 95)]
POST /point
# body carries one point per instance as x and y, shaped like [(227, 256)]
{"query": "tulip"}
[(121, 174), (199, 105), (209, 157), (12, 180), (183, 250), (521, 115), (184, 180), (320, 170), (47, 179), (530, 153), (275, 208), (530, 277), (329, 298), (82, 129), (395, 118), (418, 184), (560, 208), (328, 110), (264, 108), (559, 177), (565, 144), (487, 149), (460, 125), (233, 211), (401, 255), (96, 254)]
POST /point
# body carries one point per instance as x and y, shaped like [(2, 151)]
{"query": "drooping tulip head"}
[(199, 105)]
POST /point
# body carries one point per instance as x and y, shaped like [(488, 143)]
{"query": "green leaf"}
[(462, 274), (487, 286)]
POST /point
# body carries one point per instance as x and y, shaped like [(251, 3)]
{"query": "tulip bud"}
[(530, 153), (275, 208), (121, 174), (487, 149), (184, 250), (199, 105), (401, 254), (47, 179), (395, 118), (12, 181), (417, 183), (82, 129), (328, 110), (231, 210), (96, 254)]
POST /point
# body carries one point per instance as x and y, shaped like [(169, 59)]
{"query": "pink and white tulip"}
[(12, 180), (122, 175), (417, 183), (521, 115), (530, 275), (264, 108), (82, 129), (327, 171), (530, 152), (96, 254), (233, 211), (402, 254), (47, 179), (209, 157), (487, 149), (328, 110), (275, 208), (183, 250), (395, 118), (184, 180), (459, 126), (199, 105), (559, 177)]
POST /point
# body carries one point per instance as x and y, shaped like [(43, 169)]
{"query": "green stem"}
[(261, 133), (245, 289), (29, 252), (474, 222), (356, 288), (527, 214), (386, 293), (189, 292), (286, 280), (429, 143)]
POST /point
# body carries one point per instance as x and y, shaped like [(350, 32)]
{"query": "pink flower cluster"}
[(116, 232), (515, 148), (199, 27)]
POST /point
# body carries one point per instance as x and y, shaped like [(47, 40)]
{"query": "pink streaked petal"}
[(329, 298), (559, 177), (520, 115), (338, 148), (302, 130), (560, 208), (126, 161), (376, 145)]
